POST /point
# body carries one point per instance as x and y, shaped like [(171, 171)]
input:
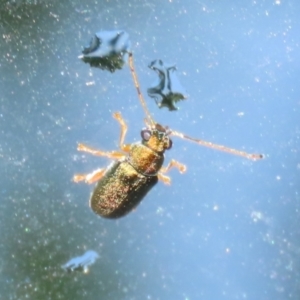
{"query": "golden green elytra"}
[(137, 167)]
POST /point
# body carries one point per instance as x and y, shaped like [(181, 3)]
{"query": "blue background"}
[(228, 228)]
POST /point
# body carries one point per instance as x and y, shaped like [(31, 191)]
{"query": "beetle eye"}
[(146, 134), (169, 146)]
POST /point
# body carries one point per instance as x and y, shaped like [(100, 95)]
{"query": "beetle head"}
[(157, 138)]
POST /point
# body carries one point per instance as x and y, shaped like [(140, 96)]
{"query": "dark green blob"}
[(167, 90), (110, 63), (107, 50)]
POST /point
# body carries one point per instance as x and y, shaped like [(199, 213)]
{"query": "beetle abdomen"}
[(120, 190)]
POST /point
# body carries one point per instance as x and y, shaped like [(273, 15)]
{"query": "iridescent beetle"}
[(137, 167)]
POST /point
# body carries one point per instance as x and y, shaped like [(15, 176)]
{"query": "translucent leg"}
[(173, 163), (165, 179), (119, 118), (109, 154), (91, 177)]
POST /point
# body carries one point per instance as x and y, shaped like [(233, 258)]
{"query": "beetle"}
[(137, 167)]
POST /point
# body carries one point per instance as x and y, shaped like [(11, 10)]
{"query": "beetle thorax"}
[(145, 160)]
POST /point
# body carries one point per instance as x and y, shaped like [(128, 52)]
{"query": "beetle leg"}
[(173, 163), (111, 154), (165, 179), (119, 118), (91, 177)]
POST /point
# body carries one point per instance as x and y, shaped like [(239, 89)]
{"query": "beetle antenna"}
[(218, 147), (137, 86)]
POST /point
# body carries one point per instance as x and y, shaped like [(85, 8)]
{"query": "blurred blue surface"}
[(228, 228)]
